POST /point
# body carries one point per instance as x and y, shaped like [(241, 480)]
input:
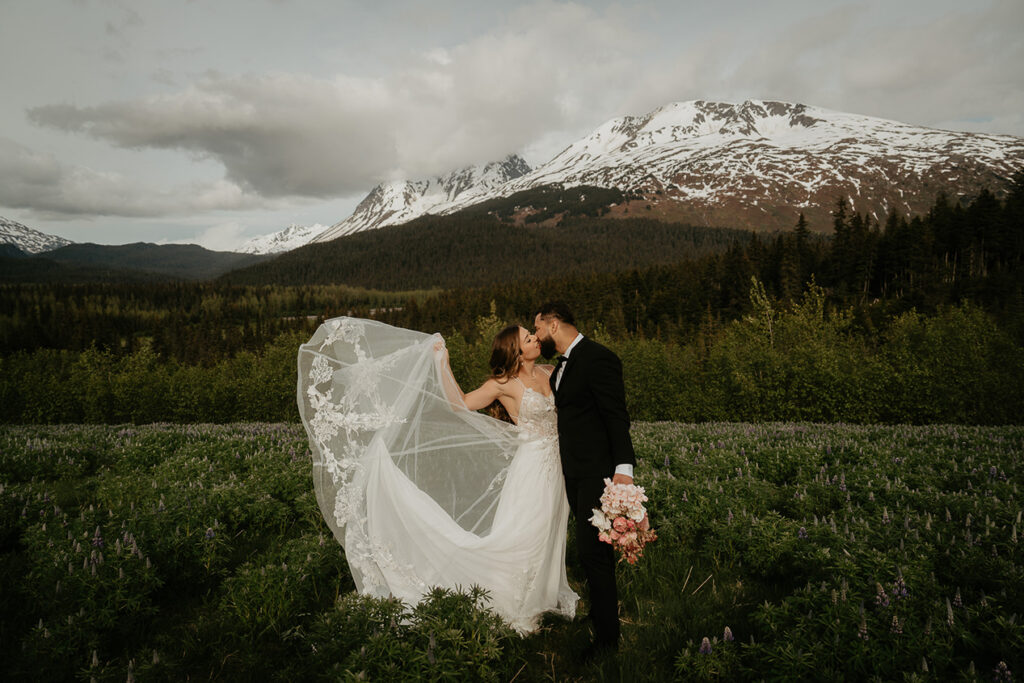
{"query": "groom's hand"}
[(622, 479)]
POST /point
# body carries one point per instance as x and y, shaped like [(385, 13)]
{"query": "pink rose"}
[(620, 524), (645, 523), (614, 534)]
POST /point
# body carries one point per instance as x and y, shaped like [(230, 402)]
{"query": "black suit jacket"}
[(593, 424)]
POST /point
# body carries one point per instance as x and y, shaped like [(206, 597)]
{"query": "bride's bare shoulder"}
[(548, 369)]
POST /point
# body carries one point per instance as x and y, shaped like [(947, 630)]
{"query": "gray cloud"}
[(285, 134), (50, 189), (277, 135), (533, 77)]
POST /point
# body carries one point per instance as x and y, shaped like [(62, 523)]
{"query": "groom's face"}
[(544, 330)]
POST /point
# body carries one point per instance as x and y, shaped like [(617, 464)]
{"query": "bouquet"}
[(622, 520)]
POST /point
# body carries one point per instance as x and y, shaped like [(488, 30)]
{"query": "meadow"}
[(797, 550)]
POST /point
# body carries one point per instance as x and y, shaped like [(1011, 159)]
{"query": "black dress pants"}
[(597, 558)]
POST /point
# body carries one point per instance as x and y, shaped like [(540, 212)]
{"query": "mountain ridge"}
[(27, 239), (753, 165)]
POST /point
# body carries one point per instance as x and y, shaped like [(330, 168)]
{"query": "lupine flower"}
[(862, 630), (210, 532), (727, 636), (881, 597), (949, 613), (705, 646), (899, 588), (666, 463), (896, 627), (1002, 673), (802, 533)]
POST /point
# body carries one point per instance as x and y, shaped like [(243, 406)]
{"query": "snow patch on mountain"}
[(28, 240), (292, 237), (742, 165), (401, 201)]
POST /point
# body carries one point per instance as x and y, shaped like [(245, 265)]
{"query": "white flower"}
[(600, 521)]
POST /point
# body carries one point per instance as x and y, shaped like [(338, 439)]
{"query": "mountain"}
[(162, 261), (26, 239), (284, 240), (473, 248), (753, 166), (401, 201)]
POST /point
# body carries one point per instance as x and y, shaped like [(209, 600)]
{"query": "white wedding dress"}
[(423, 492)]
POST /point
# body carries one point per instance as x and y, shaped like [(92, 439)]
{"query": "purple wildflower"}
[(802, 533), (727, 636), (881, 597), (957, 600), (1002, 673), (896, 627), (705, 646), (899, 588), (666, 463), (210, 532)]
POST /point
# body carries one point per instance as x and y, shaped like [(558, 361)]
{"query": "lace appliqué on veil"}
[(359, 412)]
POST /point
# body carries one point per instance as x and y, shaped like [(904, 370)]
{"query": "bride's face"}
[(529, 346)]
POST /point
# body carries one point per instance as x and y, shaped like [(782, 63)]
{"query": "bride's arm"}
[(474, 400)]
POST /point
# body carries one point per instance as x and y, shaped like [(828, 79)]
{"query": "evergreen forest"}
[(903, 319)]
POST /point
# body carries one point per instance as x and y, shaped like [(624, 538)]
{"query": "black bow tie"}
[(562, 360)]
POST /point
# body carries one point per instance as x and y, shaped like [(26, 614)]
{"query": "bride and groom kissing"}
[(423, 490)]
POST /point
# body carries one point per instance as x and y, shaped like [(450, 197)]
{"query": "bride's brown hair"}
[(506, 359)]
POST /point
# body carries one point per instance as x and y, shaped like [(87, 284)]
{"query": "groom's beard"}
[(547, 347)]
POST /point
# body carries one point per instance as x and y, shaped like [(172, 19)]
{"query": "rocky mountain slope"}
[(401, 201), (753, 165), (28, 240)]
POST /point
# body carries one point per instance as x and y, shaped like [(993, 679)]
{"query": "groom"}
[(593, 437)]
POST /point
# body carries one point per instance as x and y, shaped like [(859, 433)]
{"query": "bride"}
[(419, 488)]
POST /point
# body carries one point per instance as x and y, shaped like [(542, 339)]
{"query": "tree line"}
[(922, 314), (956, 252)]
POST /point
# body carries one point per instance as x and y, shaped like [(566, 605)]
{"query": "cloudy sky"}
[(212, 121)]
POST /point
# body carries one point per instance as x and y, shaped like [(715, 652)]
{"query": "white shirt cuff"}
[(624, 468)]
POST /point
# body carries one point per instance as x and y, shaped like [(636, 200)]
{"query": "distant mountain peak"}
[(292, 237), (751, 165), (401, 201), (28, 240)]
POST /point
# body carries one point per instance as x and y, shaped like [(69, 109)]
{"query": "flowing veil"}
[(377, 401)]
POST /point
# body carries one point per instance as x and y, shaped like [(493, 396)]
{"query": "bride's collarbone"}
[(538, 383)]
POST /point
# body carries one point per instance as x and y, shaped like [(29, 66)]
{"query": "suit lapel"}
[(571, 362)]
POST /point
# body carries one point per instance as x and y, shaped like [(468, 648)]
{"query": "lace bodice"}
[(537, 416)]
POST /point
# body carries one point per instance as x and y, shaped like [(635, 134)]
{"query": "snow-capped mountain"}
[(28, 240), (292, 237), (401, 201), (751, 165)]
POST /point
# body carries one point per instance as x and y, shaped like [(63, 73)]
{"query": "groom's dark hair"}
[(557, 309)]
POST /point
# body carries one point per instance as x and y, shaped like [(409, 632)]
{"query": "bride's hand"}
[(439, 347)]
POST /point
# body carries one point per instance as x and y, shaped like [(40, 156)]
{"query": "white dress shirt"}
[(624, 468)]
